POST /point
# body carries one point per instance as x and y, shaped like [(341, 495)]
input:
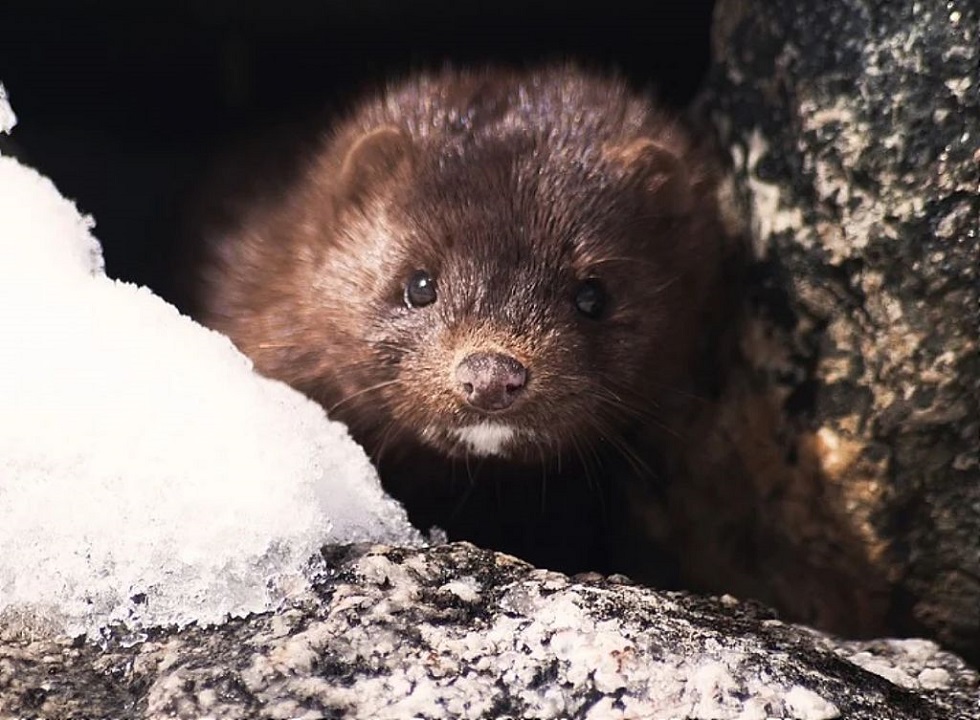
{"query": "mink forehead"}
[(558, 101), (516, 205)]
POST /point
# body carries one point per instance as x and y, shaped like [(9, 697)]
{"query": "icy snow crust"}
[(7, 117), (147, 474)]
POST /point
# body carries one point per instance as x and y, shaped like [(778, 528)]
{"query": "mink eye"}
[(420, 290), (590, 298)]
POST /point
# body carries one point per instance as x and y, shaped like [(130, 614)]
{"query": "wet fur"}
[(510, 188)]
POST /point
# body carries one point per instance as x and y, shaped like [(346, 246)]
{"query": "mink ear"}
[(373, 159), (660, 170)]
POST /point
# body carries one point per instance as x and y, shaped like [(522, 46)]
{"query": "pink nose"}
[(490, 381)]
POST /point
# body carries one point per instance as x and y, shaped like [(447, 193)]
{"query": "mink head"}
[(491, 264)]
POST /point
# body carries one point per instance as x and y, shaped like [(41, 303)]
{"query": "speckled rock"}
[(844, 456), (457, 632)]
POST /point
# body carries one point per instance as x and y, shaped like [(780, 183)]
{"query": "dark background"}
[(123, 103)]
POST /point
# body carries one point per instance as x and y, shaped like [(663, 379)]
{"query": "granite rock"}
[(838, 478), (454, 631)]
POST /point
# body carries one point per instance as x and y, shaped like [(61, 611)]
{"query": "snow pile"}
[(7, 117), (146, 473)]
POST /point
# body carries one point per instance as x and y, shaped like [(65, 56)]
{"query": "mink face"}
[(494, 264)]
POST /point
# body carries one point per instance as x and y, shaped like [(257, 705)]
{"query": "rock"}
[(838, 478), (454, 631)]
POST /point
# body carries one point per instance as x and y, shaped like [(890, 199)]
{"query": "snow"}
[(147, 474), (7, 117)]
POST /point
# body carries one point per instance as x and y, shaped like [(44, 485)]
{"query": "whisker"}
[(612, 436), (586, 467), (630, 410), (611, 382), (627, 408), (341, 371), (595, 485), (362, 391), (386, 435), (637, 463), (683, 393), (468, 494)]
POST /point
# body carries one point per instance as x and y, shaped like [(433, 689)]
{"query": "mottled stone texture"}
[(844, 457), (457, 632)]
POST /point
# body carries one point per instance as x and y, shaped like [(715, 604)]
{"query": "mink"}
[(502, 281)]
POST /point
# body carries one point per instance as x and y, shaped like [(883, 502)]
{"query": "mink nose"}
[(490, 381)]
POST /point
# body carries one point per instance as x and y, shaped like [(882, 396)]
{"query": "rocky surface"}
[(458, 632), (839, 478)]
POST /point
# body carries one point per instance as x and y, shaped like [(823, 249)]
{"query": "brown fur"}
[(510, 188)]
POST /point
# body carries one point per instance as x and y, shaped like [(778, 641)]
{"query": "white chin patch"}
[(486, 438)]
